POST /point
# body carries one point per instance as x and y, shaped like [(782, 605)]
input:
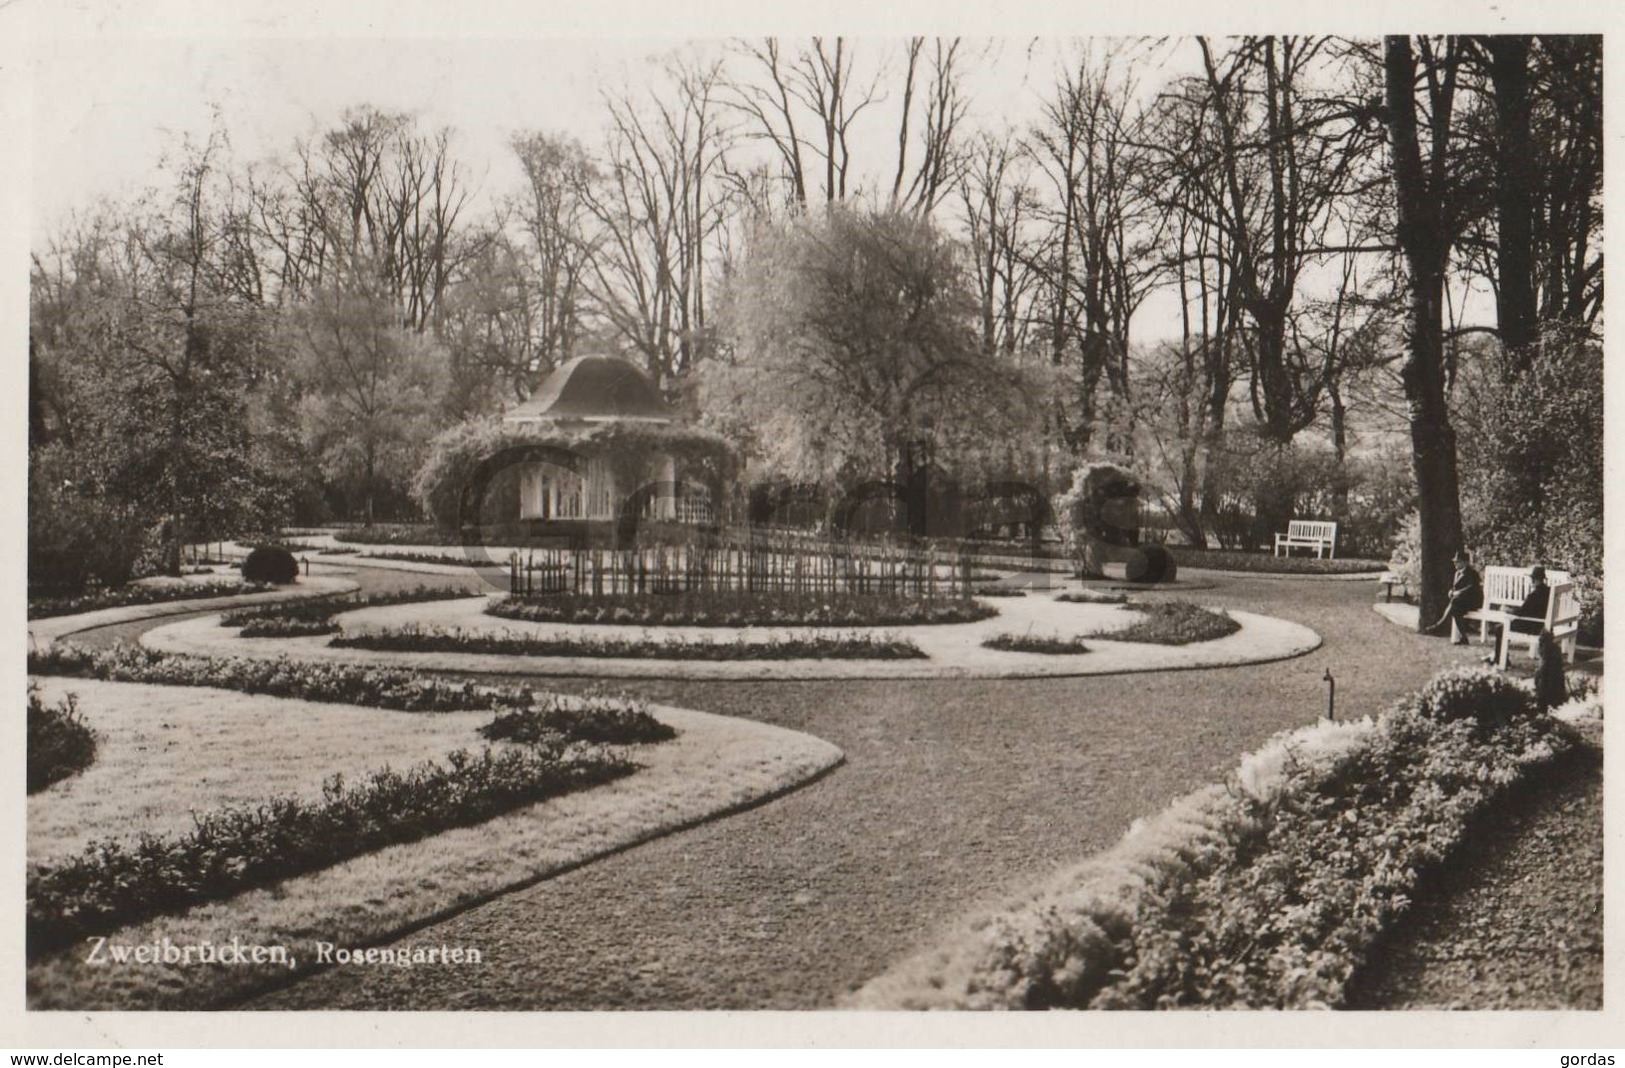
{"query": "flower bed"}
[(133, 594), (855, 646), (596, 718), (741, 610), (398, 689), (398, 534), (60, 744), (1091, 597), (111, 884), (304, 618), (1036, 643), (449, 558), (1172, 623), (1265, 892)]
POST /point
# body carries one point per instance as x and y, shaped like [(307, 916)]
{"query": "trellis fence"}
[(742, 568)]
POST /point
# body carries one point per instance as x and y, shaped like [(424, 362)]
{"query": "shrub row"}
[(855, 646), (120, 596), (60, 743), (1235, 560), (1265, 892), (741, 610), (112, 884), (1173, 623), (1036, 643), (299, 618), (373, 687)]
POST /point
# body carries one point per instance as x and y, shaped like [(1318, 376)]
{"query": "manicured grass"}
[(1036, 643), (46, 606), (167, 751), (110, 884), (1172, 623), (742, 609), (855, 646)]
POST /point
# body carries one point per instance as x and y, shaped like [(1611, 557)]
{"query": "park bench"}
[(1388, 580), (1505, 589), (1311, 534)]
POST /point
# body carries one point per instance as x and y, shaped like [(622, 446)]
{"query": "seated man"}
[(1531, 614), (1466, 595)]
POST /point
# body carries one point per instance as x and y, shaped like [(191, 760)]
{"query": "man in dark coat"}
[(1530, 616), (1466, 595)]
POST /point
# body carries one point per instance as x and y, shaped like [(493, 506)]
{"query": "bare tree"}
[(941, 159), (656, 210), (1099, 264)]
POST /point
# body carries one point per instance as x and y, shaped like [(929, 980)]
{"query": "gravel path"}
[(1518, 924), (955, 795)]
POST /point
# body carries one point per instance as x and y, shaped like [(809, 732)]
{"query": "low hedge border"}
[(112, 884), (1264, 892), (745, 610), (398, 689), (855, 646), (1268, 564), (123, 596)]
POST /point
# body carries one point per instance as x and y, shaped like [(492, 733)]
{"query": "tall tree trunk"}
[(1423, 237), (1514, 198)]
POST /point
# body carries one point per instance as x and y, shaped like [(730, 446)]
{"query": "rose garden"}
[(906, 638)]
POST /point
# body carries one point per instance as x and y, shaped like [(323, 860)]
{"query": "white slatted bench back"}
[(1507, 586), (1311, 530)]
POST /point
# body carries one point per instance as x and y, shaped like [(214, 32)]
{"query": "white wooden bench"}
[(1505, 589), (1388, 580), (1311, 534)]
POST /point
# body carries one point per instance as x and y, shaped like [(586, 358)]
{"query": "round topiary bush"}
[(1476, 693), (270, 563), (1151, 563)]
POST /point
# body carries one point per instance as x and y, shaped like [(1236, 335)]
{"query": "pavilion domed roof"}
[(594, 388)]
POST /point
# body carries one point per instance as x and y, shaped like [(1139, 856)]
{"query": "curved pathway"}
[(956, 795)]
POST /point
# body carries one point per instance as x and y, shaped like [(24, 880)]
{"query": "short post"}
[(306, 559), (1331, 694)]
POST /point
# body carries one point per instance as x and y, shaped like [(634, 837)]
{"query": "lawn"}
[(166, 751)]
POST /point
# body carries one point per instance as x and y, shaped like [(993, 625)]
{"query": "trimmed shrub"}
[(113, 884), (60, 744), (1481, 694), (1551, 686), (272, 564), (1152, 563)]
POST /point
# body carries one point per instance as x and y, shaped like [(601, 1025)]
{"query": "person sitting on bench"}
[(1466, 595), (1531, 614)]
